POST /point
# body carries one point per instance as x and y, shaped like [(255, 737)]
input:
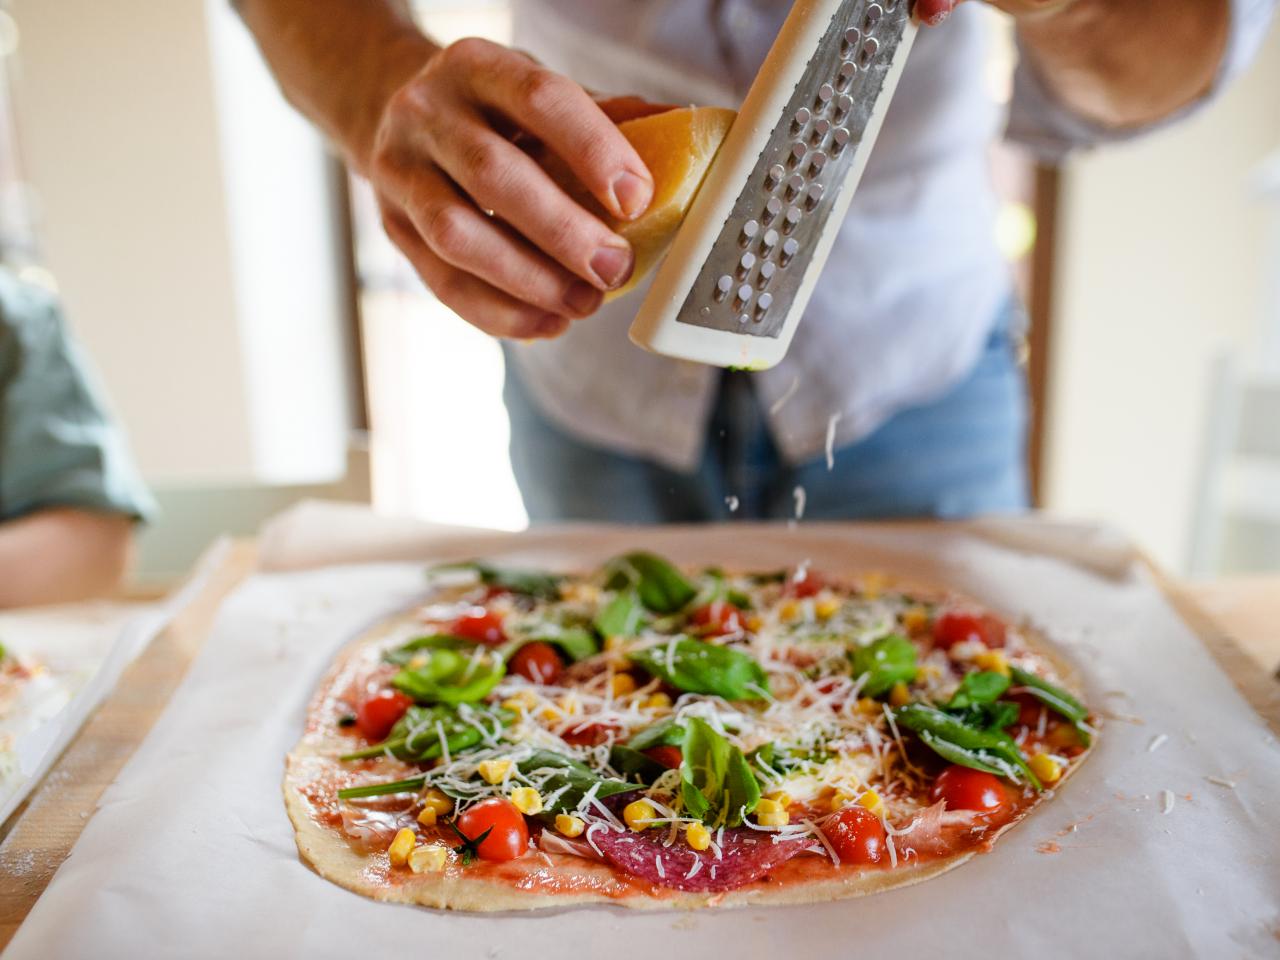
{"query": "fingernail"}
[(550, 325), (613, 265), (582, 298), (633, 194)]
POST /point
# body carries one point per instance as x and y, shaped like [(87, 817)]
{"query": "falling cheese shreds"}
[(831, 440), (732, 503), (787, 395), (801, 497), (1157, 742), (1222, 782), (1166, 801)]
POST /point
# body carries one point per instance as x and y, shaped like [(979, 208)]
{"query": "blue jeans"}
[(962, 455)]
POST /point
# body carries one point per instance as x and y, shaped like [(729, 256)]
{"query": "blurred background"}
[(262, 341)]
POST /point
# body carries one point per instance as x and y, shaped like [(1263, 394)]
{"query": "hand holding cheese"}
[(483, 224)]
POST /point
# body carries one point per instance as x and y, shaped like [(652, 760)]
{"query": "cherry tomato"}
[(669, 757), (1029, 709), (590, 734), (717, 619), (381, 712), (966, 789), (857, 835), (481, 625), (538, 663), (508, 833), (803, 583), (955, 627)]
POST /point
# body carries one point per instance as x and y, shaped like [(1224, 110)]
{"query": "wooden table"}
[(41, 833)]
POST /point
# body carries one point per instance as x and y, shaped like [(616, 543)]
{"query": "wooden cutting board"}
[(41, 834)]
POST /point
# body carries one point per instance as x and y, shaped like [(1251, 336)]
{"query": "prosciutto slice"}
[(745, 855)]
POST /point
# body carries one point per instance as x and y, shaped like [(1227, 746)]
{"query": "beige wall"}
[(1162, 264), (120, 138)]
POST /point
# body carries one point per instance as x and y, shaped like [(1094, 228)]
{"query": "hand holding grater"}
[(743, 266)]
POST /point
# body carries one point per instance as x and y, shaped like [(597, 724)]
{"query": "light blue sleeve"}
[(1038, 121), (59, 446)]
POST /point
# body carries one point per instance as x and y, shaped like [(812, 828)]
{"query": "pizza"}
[(649, 736)]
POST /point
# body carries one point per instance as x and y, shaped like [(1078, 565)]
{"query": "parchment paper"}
[(191, 854)]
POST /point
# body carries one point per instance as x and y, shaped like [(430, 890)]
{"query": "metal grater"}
[(742, 268)]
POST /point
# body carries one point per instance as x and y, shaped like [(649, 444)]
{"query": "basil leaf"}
[(990, 716), (1056, 699), (416, 737), (716, 782), (965, 757), (890, 660), (450, 676), (660, 586), (576, 643), (698, 667), (531, 583), (437, 641), (621, 617), (411, 785), (980, 687), (664, 733), (569, 781), (634, 765), (945, 732)]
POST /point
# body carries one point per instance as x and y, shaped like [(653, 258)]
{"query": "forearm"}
[(1123, 63), (338, 62), (59, 555)]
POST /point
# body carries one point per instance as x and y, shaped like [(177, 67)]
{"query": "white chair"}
[(1236, 516)]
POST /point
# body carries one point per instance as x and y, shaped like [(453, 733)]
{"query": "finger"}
[(459, 234), (934, 12), (484, 307), (562, 114), (502, 178)]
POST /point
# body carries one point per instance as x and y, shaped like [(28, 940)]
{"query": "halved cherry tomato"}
[(381, 712), (669, 757), (857, 835), (955, 627), (508, 833), (538, 663), (803, 583), (717, 619), (590, 734), (966, 789), (481, 625)]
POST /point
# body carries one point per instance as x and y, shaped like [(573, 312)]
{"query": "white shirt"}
[(915, 280)]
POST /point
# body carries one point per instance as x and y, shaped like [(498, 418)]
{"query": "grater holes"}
[(791, 221), (789, 251), (774, 176), (772, 209), (750, 230), (820, 130), (763, 303), (794, 186), (812, 197), (852, 40), (801, 119), (769, 241), (839, 140), (746, 264), (767, 270), (874, 14), (843, 108), (870, 47), (796, 156), (743, 297), (825, 93), (817, 161), (848, 70), (723, 287)]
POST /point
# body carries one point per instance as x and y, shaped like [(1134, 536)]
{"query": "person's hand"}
[(933, 12), (484, 226)]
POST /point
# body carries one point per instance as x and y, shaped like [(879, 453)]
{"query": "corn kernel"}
[(636, 813), (493, 771), (840, 800), (827, 608), (428, 858), (428, 817), (899, 696), (993, 660), (1046, 768), (868, 706), (1063, 736), (657, 701), (398, 852), (527, 800), (788, 611), (524, 700), (915, 619), (569, 704), (754, 623), (871, 800), (782, 798), (615, 643), (570, 826), (698, 836), (622, 683), (770, 813), (437, 800)]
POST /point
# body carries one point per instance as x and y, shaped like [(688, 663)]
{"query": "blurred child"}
[(70, 494)]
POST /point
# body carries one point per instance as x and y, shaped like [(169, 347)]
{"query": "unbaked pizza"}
[(656, 737)]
